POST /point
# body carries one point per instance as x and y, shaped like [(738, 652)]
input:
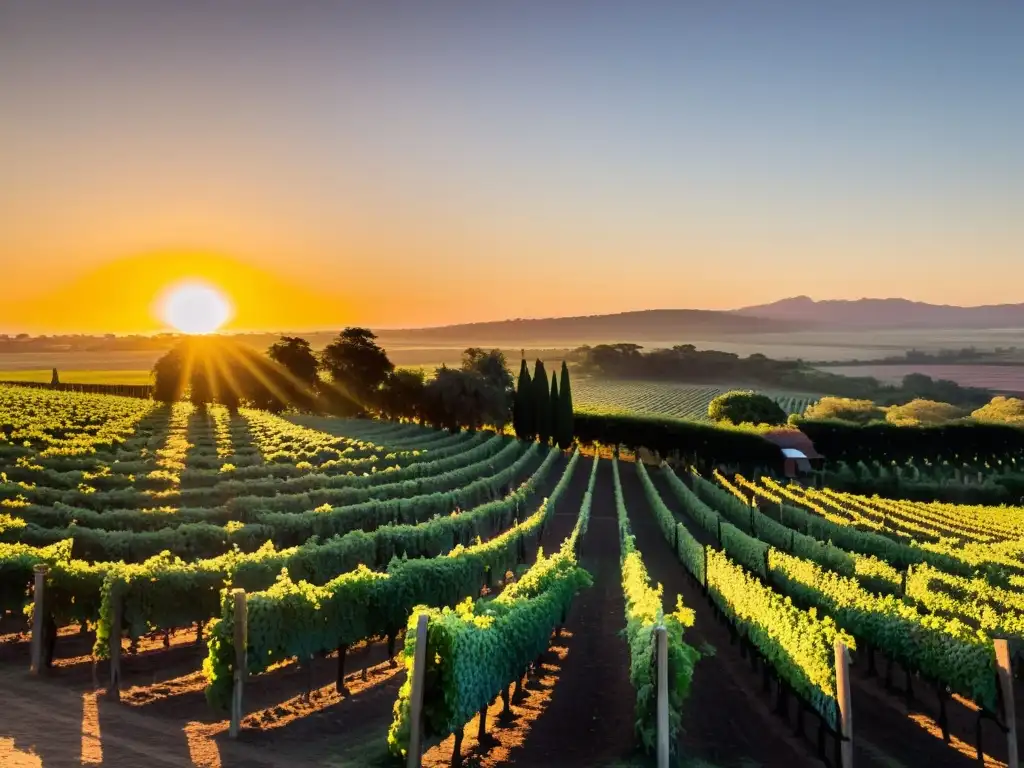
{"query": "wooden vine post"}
[(241, 641), (661, 654), (38, 618), (845, 707), (419, 665), (116, 612), (1005, 673)]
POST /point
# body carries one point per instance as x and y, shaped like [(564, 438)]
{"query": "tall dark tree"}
[(402, 394), (456, 398), (553, 408), (492, 365), (357, 365), (493, 368), (222, 371), (202, 383), (564, 426), (169, 382), (296, 356), (522, 417), (541, 402)]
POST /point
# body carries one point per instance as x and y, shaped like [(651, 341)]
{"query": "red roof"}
[(794, 438)]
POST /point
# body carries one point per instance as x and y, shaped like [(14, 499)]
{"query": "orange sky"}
[(408, 165), (122, 297)]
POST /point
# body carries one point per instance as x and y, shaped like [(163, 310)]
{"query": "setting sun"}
[(194, 307)]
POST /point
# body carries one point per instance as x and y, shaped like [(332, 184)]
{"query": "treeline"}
[(963, 441), (353, 376), (963, 355), (685, 362), (77, 342)]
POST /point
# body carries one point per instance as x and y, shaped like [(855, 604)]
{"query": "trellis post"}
[(38, 617), (116, 612), (845, 707), (661, 639), (241, 638), (1005, 673), (416, 695)]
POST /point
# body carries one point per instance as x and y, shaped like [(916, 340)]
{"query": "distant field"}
[(1005, 378), (79, 377), (30, 362), (683, 401)]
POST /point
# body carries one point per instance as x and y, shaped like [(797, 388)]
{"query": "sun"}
[(194, 307)]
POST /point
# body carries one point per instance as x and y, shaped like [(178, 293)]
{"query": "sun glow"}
[(194, 307)]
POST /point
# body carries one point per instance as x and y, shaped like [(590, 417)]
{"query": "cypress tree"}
[(553, 406), (564, 430), (522, 412), (541, 403)]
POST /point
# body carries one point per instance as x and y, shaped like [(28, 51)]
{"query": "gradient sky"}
[(421, 163)]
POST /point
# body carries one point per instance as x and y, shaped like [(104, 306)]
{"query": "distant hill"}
[(665, 325), (886, 313)]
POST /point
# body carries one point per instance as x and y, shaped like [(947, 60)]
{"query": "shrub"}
[(1007, 410), (746, 408), (923, 412), (845, 408)]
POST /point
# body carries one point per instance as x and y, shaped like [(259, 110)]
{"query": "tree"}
[(456, 398), (296, 356), (357, 365), (564, 426), (169, 382), (402, 394), (541, 400), (213, 370), (493, 368), (554, 408), (54, 378), (522, 416), (856, 411), (741, 407), (201, 384), (491, 365)]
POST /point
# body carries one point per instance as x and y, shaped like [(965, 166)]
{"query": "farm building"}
[(799, 455)]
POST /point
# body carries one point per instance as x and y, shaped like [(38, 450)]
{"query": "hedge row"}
[(701, 443), (476, 650), (298, 619), (644, 614), (964, 441)]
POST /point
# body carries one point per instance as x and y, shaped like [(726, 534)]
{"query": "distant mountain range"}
[(886, 313), (800, 313), (654, 326), (665, 325)]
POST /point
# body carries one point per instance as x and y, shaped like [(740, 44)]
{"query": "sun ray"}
[(92, 745), (255, 371)]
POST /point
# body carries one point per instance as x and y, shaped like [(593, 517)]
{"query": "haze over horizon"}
[(431, 164)]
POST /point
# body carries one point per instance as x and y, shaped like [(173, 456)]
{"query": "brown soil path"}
[(727, 721), (589, 718)]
